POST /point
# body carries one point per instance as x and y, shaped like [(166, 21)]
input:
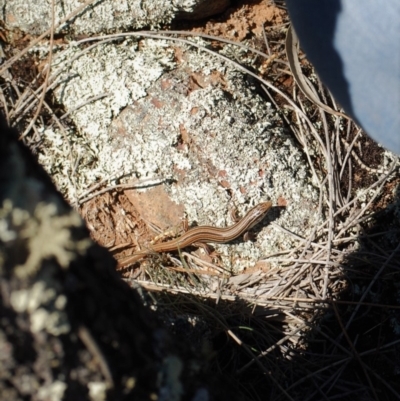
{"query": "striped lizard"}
[(203, 234)]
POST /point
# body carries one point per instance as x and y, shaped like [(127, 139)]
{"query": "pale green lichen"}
[(130, 383), (54, 323), (49, 236), (46, 235), (6, 234), (97, 391), (52, 392), (28, 300)]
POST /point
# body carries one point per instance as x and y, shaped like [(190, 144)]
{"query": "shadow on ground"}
[(351, 350)]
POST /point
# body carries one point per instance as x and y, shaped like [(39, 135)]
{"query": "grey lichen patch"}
[(101, 16), (125, 74), (240, 139), (47, 234), (119, 69)]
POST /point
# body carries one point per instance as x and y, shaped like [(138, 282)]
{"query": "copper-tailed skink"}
[(204, 234)]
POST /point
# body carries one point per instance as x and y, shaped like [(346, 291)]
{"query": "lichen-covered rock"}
[(105, 16), (173, 112)]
